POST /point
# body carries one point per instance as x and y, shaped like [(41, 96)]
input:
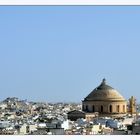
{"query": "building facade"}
[(76, 114), (106, 101)]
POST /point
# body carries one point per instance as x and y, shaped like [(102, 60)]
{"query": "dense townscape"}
[(20, 117)]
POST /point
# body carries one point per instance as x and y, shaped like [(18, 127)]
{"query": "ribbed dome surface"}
[(104, 92)]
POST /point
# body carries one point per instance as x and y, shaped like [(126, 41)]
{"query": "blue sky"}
[(61, 53)]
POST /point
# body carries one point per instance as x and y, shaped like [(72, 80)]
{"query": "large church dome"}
[(104, 92)]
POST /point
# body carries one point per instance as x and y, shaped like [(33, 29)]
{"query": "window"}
[(93, 108), (110, 108), (123, 108), (86, 107), (83, 108), (118, 108), (101, 108), (27, 129)]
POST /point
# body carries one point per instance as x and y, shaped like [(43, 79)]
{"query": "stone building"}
[(132, 106), (76, 114), (106, 101)]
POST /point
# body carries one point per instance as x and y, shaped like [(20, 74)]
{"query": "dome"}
[(104, 92)]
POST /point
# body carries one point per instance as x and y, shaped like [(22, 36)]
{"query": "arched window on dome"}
[(83, 107), (124, 108), (93, 108), (101, 108), (110, 108), (87, 108), (118, 108)]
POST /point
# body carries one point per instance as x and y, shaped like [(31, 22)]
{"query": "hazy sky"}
[(61, 53)]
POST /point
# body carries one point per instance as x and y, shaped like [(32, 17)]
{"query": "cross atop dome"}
[(104, 86), (103, 81)]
